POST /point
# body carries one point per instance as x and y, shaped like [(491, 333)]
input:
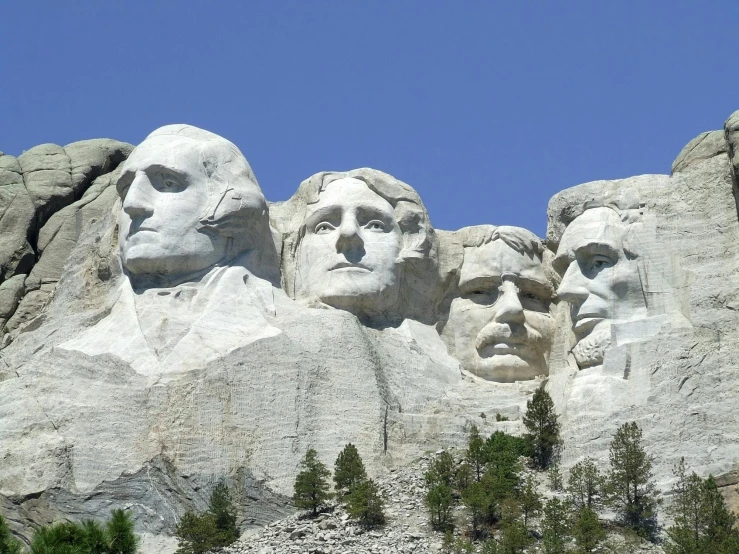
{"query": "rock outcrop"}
[(165, 327)]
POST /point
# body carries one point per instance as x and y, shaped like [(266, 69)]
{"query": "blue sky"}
[(486, 108)]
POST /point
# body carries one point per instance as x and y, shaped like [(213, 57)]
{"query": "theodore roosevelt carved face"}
[(357, 235), (600, 279), (189, 201), (500, 319)]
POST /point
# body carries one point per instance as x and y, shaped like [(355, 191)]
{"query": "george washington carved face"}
[(189, 201)]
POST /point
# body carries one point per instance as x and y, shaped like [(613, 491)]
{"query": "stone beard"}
[(500, 321), (348, 256), (600, 280)]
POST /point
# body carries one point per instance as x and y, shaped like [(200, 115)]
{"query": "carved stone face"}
[(600, 281), (349, 254), (501, 323), (164, 192)]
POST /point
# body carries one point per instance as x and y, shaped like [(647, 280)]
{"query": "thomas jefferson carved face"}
[(164, 192), (501, 323), (600, 280), (349, 254)]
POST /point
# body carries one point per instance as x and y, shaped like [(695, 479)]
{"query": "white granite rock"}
[(156, 350)]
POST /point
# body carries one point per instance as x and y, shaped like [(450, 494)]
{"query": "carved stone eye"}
[(323, 228), (375, 226)]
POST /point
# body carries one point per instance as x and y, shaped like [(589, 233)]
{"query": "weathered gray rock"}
[(17, 215), (99, 410), (34, 188), (704, 146), (668, 362)]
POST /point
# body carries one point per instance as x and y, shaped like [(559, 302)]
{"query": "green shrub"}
[(88, 537), (8, 544)]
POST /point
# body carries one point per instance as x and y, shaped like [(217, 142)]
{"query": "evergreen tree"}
[(554, 472), (224, 514), (630, 482), (463, 476), (440, 500), (93, 539), (311, 484), (476, 498), (587, 530), (365, 504), (702, 522), (502, 452), (476, 454), (541, 422), (584, 485), (440, 495), (555, 527), (514, 538), (59, 538), (458, 545), (529, 501), (196, 533), (119, 533), (348, 469), (441, 470), (8, 544)]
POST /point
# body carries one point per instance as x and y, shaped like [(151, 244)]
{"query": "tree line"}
[(494, 483)]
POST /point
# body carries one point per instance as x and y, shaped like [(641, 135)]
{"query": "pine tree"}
[(555, 526), (514, 538), (196, 533), (587, 530), (440, 495), (585, 484), (8, 544), (541, 422), (365, 504), (554, 472), (630, 483), (311, 484), (529, 501), (476, 499), (348, 469), (502, 453), (224, 514), (440, 500), (476, 454), (702, 522), (119, 533)]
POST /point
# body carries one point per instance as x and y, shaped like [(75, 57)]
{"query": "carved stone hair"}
[(410, 212), (519, 239)]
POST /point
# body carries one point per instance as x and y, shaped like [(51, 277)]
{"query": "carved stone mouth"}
[(584, 325), (346, 266)]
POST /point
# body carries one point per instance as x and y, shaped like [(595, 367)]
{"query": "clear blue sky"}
[(486, 108)]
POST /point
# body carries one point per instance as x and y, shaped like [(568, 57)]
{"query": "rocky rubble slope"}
[(407, 529)]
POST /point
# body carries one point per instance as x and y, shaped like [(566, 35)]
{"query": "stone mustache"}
[(198, 249)]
